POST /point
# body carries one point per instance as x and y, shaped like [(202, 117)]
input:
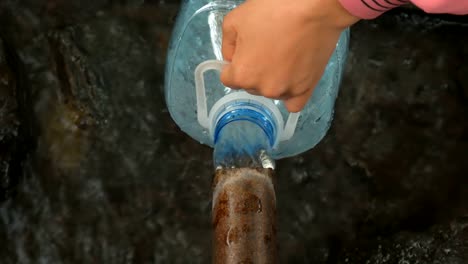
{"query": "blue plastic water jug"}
[(240, 126)]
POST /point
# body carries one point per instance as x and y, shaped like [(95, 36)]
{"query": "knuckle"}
[(243, 78), (272, 89), (271, 92), (233, 78)]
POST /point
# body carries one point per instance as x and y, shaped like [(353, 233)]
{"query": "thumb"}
[(229, 37)]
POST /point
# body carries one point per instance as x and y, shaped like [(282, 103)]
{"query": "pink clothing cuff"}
[(369, 9), (456, 7)]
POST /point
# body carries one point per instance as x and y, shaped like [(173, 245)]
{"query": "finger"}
[(227, 76), (252, 91), (229, 37), (297, 103), (237, 76)]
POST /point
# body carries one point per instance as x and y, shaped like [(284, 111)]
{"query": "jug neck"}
[(244, 137)]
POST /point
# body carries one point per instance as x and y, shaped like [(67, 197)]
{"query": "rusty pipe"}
[(244, 216)]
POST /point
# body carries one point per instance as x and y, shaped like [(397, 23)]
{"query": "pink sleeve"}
[(368, 9), (457, 7)]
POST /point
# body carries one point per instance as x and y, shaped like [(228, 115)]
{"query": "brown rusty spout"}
[(244, 216)]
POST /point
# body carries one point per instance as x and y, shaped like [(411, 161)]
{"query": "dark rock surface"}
[(9, 127), (93, 170)]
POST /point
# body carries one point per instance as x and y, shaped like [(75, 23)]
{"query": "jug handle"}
[(202, 109)]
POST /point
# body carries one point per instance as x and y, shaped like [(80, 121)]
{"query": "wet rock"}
[(100, 183), (9, 128), (446, 244), (393, 164), (408, 130)]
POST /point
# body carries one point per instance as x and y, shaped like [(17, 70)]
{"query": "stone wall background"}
[(93, 170)]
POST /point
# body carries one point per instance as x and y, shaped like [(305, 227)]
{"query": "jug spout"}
[(242, 144)]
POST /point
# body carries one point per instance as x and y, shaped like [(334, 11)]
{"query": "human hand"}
[(280, 50)]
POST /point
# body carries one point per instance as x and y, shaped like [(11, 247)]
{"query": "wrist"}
[(331, 12), (370, 9), (343, 18)]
